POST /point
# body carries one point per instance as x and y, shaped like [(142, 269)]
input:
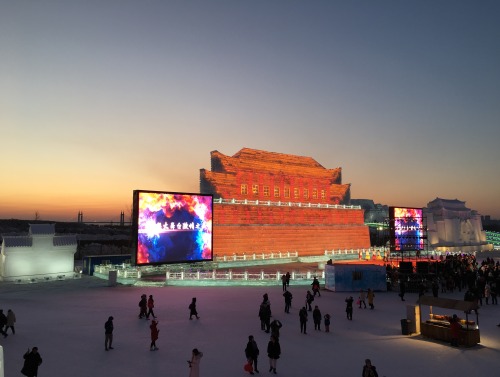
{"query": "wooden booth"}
[(437, 326)]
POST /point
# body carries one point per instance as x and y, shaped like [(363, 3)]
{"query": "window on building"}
[(296, 193), (357, 275), (244, 189), (266, 190), (306, 193), (287, 192), (323, 194), (255, 189), (276, 192), (315, 193)]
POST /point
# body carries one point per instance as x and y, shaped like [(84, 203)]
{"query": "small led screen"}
[(406, 227), (172, 227)]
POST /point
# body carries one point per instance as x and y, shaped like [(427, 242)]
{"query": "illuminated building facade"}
[(271, 202), (452, 227)]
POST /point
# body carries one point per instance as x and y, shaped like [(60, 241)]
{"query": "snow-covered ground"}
[(65, 320)]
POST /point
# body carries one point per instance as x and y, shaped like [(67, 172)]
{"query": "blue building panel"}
[(351, 277)]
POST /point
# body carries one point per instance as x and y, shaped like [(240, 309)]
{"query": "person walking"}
[(192, 309), (273, 352), (143, 307), (287, 275), (315, 287), (362, 298), (154, 335), (194, 363), (32, 360), (303, 320), (265, 313), (252, 353), (493, 293), (3, 323), (283, 282), (371, 295), (327, 322), (108, 334), (455, 328), (369, 370), (151, 305), (402, 289), (288, 301), (309, 300), (11, 320), (487, 293), (317, 317), (435, 288), (275, 326), (348, 307)]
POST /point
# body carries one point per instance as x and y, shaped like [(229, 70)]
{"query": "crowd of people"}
[(146, 310), (454, 272), (458, 272)]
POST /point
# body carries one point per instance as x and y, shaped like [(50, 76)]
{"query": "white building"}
[(39, 255), (452, 227)]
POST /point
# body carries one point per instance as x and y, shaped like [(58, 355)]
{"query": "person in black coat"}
[(265, 313), (288, 301), (315, 287), (276, 325), (143, 307), (273, 352), (309, 300), (192, 309), (252, 353), (369, 370), (3, 323), (402, 289), (108, 334), (303, 320), (32, 361), (317, 317), (348, 307)]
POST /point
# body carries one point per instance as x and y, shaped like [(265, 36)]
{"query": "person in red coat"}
[(455, 328), (154, 335), (151, 305)]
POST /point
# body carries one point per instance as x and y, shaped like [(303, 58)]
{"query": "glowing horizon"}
[(98, 100)]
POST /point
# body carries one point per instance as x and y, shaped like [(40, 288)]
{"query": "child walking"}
[(192, 309), (327, 322)]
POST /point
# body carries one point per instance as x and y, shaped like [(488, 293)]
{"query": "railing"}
[(282, 204), (130, 272), (367, 254), (256, 256), (242, 275)]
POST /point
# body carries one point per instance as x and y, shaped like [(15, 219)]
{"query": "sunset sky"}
[(101, 97)]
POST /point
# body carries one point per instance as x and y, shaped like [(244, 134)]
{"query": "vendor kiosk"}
[(437, 326)]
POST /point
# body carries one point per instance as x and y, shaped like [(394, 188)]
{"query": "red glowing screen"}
[(172, 227)]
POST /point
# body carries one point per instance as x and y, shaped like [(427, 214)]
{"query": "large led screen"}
[(406, 229), (172, 227)]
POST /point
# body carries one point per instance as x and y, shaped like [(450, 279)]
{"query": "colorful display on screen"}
[(172, 227), (406, 227)]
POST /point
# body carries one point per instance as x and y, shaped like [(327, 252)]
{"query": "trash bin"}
[(405, 326), (112, 278)]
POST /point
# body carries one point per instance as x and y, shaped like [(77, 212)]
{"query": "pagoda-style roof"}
[(449, 204), (442, 208), (42, 229), (17, 241), (271, 162), (259, 175)]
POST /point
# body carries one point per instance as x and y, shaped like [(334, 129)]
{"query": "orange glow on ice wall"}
[(281, 212)]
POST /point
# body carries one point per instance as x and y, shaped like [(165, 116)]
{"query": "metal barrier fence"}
[(131, 272)]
